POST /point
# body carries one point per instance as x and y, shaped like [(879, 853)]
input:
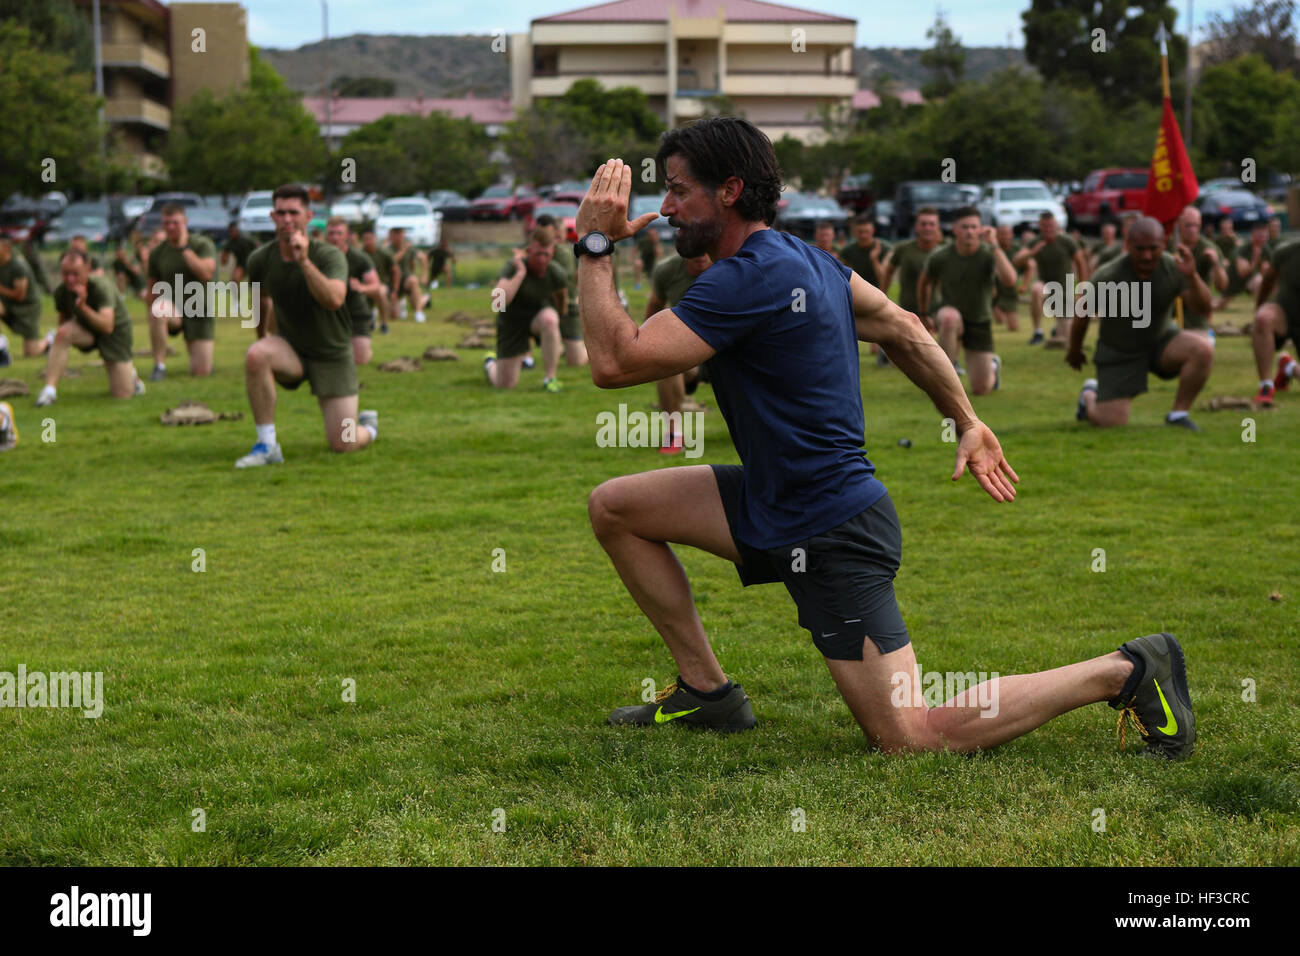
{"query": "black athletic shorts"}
[(842, 581)]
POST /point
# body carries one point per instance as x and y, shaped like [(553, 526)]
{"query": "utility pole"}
[(99, 91)]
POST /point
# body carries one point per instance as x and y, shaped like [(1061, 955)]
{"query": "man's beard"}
[(696, 238)]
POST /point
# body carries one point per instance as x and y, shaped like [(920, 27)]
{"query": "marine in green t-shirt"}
[(1006, 301), (183, 261), (406, 258), (237, 247), (866, 255), (1133, 299), (383, 299), (303, 284), (1055, 255), (907, 260), (92, 316), (529, 296), (668, 283), (1209, 264), (20, 302), (1278, 318), (671, 279)]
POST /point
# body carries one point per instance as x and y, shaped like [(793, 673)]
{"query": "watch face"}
[(596, 243)]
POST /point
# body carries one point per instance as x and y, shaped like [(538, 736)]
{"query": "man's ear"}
[(729, 192)]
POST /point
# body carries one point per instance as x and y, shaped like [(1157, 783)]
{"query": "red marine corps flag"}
[(1171, 183)]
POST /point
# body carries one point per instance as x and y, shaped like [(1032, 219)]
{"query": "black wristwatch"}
[(594, 244)]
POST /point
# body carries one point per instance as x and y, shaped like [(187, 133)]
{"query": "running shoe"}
[(1081, 410), (1282, 381), (1265, 397), (1183, 422), (1037, 338), (675, 704), (551, 385), (8, 427), (261, 455), (1156, 698)]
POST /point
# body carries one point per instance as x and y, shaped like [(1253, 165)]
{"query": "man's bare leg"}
[(546, 326), (979, 372), (1269, 320), (504, 372), (575, 352), (35, 348), (267, 359), (121, 379), (361, 349), (68, 334), (950, 329), (990, 714), (635, 517), (1106, 414), (342, 430), (159, 327), (1036, 305), (200, 356), (1193, 356)]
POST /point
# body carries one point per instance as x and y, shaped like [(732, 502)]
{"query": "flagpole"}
[(1164, 63)]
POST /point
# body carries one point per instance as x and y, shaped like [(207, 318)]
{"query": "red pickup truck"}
[(1106, 195)]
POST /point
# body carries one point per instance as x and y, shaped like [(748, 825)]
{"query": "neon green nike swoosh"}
[(1171, 725), (662, 718)]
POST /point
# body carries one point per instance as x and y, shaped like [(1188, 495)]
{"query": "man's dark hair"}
[(863, 219), (545, 219), (291, 191), (75, 254), (1045, 215), (927, 211), (719, 147), (824, 224), (965, 211), (172, 209)]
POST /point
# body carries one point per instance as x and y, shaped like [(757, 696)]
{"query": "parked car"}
[(357, 207), (640, 205), (453, 206), (1276, 187), (884, 215), (134, 206), (201, 219), (1016, 202), (502, 202), (1220, 182), (564, 213), (1243, 208), (970, 191), (255, 215), (90, 219), (573, 190), (415, 215), (20, 223), (801, 213), (910, 196), (1105, 196), (856, 193), (218, 201)]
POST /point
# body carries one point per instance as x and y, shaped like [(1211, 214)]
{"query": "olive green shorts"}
[(1124, 374), (571, 325), (330, 378), (26, 322), (114, 347), (197, 328), (977, 336)]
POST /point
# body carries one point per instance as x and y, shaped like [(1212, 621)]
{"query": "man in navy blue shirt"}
[(779, 322)]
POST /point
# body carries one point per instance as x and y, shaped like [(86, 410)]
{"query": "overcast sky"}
[(291, 23)]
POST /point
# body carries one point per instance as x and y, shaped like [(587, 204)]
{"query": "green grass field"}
[(478, 691)]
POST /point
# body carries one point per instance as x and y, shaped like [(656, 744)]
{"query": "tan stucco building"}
[(776, 65)]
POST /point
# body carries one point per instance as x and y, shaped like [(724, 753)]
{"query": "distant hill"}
[(456, 65)]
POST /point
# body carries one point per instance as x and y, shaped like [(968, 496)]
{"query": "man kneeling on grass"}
[(804, 507), (1141, 337), (304, 290), (92, 316), (529, 299)]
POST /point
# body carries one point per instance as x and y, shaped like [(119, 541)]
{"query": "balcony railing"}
[(137, 55)]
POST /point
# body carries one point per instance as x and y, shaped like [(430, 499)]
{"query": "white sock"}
[(4, 343), (1265, 383), (49, 391), (1177, 416), (162, 365), (266, 435), (374, 432), (1292, 370)]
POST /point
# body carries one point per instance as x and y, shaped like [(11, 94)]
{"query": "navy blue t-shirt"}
[(780, 315)]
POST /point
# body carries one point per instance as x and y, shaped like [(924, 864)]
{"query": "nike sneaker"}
[(675, 704), (261, 455), (1155, 697), (551, 385)]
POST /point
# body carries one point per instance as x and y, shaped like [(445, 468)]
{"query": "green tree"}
[(1121, 62), (401, 153), (368, 86), (545, 145), (1246, 95), (55, 25), (253, 138), (945, 60), (50, 114), (1266, 27)]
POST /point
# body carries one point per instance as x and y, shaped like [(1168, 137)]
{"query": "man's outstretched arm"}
[(920, 358)]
